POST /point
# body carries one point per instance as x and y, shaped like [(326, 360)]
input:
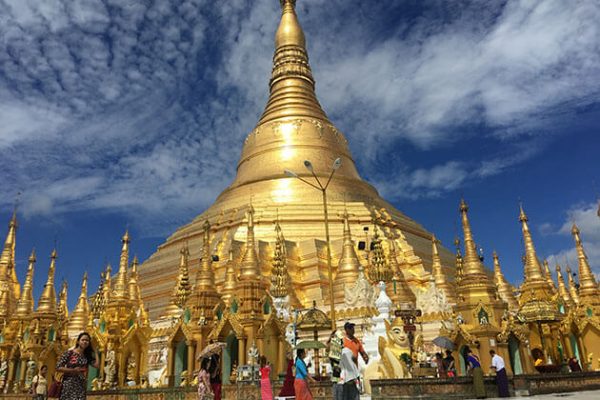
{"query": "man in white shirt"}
[(501, 377), (349, 375)]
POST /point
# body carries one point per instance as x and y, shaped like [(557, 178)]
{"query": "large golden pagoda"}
[(292, 128)]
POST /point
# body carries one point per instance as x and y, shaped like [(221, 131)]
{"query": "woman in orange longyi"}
[(302, 377)]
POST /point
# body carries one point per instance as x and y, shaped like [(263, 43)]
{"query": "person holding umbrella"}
[(204, 389)]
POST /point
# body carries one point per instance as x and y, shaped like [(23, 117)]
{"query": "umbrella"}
[(310, 344), (444, 342), (211, 348)]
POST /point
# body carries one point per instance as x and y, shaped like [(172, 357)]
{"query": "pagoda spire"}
[(79, 317), (133, 287), (47, 301), (379, 268), (588, 287), (459, 261), (548, 276), (572, 286), (25, 305), (230, 284), (120, 289), (292, 86), (63, 308), (99, 299), (471, 263), (183, 288), (205, 279), (563, 292), (505, 290), (249, 269), (280, 280), (349, 265), (7, 260), (439, 278), (533, 269)]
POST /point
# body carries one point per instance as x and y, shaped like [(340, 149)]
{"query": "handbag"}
[(55, 388)]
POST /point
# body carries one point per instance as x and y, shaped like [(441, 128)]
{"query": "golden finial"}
[(230, 284), (471, 262), (249, 269), (533, 269), (505, 290), (572, 286), (79, 317), (588, 288), (25, 305), (47, 302), (279, 276), (349, 265), (562, 288), (205, 279), (437, 272), (379, 268), (121, 286)]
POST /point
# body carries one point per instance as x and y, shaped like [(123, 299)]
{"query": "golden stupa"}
[(293, 128)]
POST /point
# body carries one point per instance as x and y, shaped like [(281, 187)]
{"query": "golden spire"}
[(439, 278), (121, 289), (63, 308), (471, 262), (79, 317), (100, 297), (4, 306), (505, 290), (47, 302), (249, 269), (182, 289), (230, 284), (133, 288), (572, 286), (548, 276), (459, 261), (347, 271), (7, 259), (533, 269), (25, 305), (292, 87), (563, 292), (205, 279), (588, 288), (280, 279), (379, 268)]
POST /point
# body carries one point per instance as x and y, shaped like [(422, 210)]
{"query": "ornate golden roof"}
[(313, 320)]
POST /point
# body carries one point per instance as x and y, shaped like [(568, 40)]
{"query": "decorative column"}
[(281, 359), (101, 366), (241, 351), (11, 374), (190, 360), (171, 366)]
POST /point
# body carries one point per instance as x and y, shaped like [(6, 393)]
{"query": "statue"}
[(30, 373), (110, 368), (233, 375), (290, 335), (394, 352), (361, 294), (131, 369), (253, 354)]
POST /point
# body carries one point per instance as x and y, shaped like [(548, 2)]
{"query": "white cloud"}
[(587, 220)]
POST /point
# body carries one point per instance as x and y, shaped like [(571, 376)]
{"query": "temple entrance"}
[(180, 360), (515, 355), (575, 347), (230, 356)]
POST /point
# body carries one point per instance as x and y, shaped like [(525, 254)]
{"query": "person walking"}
[(501, 377), (301, 386), (39, 384), (266, 392), (440, 367), (349, 375), (73, 364), (449, 364), (215, 375), (204, 390), (474, 366), (353, 343)]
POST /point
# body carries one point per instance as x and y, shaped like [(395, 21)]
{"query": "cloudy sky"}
[(118, 114)]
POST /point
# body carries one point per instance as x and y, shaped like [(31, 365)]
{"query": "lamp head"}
[(308, 165), (289, 173), (337, 163)]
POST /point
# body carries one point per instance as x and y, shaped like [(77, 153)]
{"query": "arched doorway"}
[(230, 356), (180, 360), (515, 355)]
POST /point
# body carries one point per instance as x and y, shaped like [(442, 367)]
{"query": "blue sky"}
[(119, 114)]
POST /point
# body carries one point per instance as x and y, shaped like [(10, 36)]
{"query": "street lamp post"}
[(323, 189)]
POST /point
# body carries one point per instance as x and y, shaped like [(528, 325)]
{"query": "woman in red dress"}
[(266, 392)]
